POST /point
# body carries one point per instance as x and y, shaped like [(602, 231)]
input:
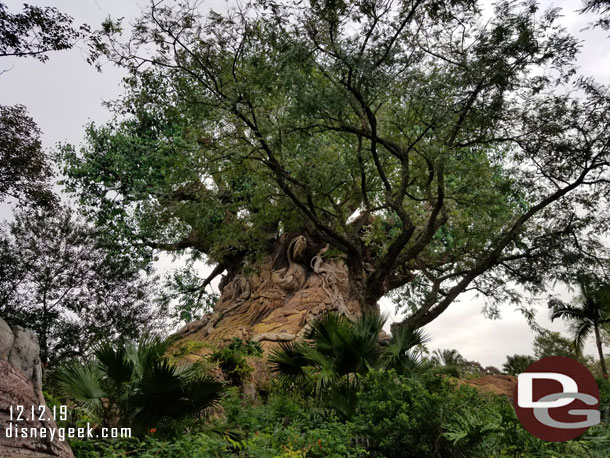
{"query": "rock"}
[(21, 385), (25, 355), (6, 340)]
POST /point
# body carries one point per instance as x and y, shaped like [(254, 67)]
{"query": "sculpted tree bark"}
[(276, 301), (411, 149)]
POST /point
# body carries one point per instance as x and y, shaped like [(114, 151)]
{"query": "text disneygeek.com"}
[(62, 434)]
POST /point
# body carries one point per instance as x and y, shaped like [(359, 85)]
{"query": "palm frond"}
[(288, 361), (398, 354), (331, 331), (82, 384), (582, 331), (115, 363)]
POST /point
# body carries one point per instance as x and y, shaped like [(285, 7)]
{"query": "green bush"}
[(231, 360), (287, 425), (480, 425), (193, 446), (397, 416)]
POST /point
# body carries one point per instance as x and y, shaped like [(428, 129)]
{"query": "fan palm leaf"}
[(81, 383), (114, 363), (288, 361)]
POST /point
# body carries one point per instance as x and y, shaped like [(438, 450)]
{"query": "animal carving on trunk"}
[(277, 299), (293, 277)]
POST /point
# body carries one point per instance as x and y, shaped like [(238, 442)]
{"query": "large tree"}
[(434, 151), (58, 278)]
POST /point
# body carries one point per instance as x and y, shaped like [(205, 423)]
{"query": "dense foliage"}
[(232, 361), (25, 170), (397, 417), (516, 364), (136, 386), (436, 151), (58, 278)]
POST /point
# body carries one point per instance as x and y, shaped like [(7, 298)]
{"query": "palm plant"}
[(404, 354), (135, 385), (450, 359), (590, 310), (340, 351)]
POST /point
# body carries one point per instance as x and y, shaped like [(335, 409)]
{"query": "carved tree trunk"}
[(275, 300)]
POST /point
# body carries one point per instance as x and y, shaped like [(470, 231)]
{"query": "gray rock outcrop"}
[(21, 385)]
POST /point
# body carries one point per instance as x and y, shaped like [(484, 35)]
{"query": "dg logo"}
[(556, 399)]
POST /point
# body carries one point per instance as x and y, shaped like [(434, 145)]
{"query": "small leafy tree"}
[(136, 386), (58, 278), (516, 364), (548, 343)]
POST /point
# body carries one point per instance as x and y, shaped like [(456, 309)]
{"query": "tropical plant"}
[(516, 364), (340, 351), (231, 359), (450, 359), (405, 352), (589, 311), (136, 386)]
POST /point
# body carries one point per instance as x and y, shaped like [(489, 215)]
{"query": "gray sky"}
[(66, 93)]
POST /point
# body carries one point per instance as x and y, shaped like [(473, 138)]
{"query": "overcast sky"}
[(66, 93)]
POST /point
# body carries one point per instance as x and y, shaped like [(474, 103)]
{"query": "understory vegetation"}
[(396, 417), (341, 393)]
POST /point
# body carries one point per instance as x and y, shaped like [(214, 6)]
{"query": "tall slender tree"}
[(590, 310)]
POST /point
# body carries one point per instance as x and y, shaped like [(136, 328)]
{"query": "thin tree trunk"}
[(602, 361)]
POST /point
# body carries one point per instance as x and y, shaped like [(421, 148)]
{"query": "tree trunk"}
[(602, 361), (276, 299)]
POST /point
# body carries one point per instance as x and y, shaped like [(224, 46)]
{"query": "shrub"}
[(397, 416), (136, 386), (193, 446), (231, 360)]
